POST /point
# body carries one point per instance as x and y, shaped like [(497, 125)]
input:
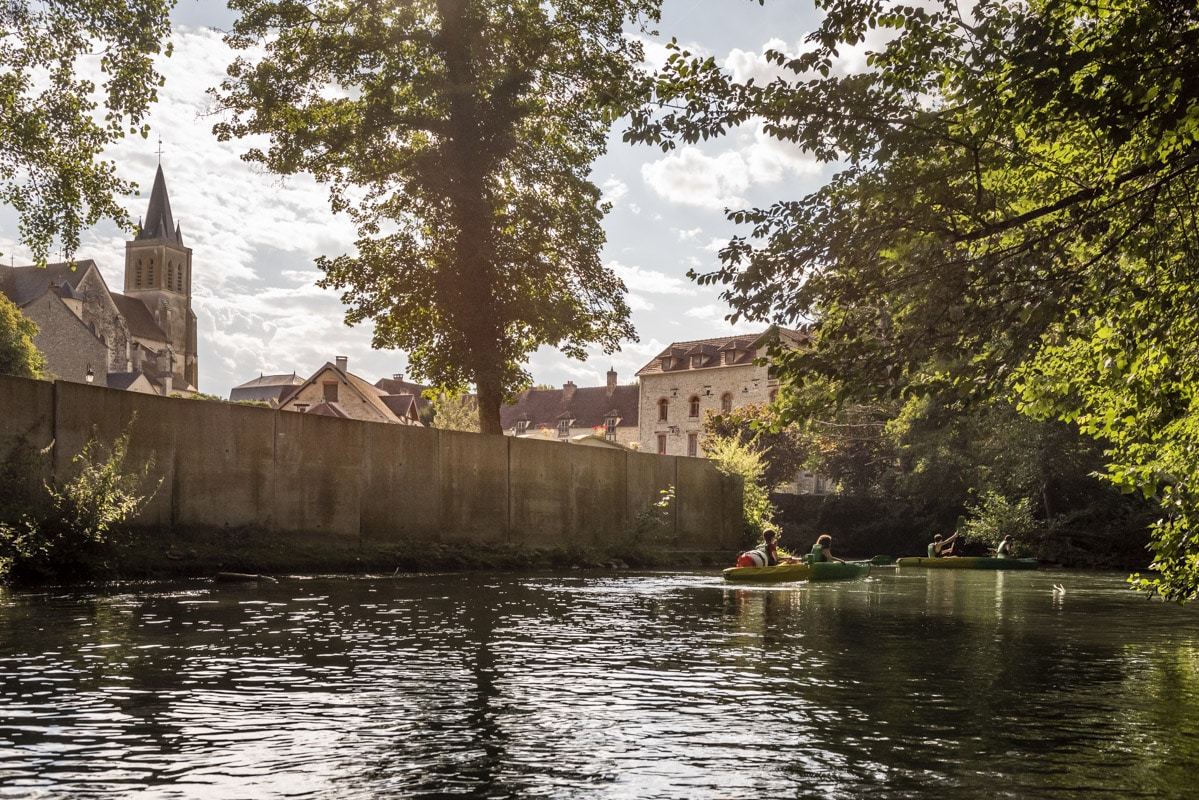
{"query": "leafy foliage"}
[(734, 457), (995, 517), (458, 136), (456, 412), (783, 449), (1015, 218), (18, 354), (61, 531), (53, 125)]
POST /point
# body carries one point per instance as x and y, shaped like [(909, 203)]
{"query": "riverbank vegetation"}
[(1011, 230), (69, 527)]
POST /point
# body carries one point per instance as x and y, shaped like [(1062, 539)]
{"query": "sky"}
[(255, 235)]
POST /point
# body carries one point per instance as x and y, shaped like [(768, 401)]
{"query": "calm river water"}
[(910, 684)]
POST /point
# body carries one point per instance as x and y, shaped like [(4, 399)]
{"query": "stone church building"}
[(141, 339)]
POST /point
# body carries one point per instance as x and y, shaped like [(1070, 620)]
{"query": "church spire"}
[(159, 222)]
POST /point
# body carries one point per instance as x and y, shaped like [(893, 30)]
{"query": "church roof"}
[(139, 319), (23, 285), (159, 223)]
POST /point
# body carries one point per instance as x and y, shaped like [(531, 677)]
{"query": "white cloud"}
[(690, 177), (614, 190), (639, 279), (685, 235)]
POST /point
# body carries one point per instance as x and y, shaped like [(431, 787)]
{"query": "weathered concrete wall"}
[(347, 483)]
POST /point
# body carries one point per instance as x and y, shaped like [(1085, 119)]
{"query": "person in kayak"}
[(1007, 548), (765, 554), (822, 552), (940, 547)]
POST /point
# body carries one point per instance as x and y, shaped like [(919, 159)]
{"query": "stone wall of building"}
[(743, 383), (65, 341)]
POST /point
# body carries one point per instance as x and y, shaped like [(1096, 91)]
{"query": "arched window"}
[(773, 394), (663, 409), (726, 403), (693, 406)]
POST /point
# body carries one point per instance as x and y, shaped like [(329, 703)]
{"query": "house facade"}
[(88, 333), (572, 413), (688, 379), (334, 391)]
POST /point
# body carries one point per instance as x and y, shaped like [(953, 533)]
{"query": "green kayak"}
[(824, 571), (780, 573), (967, 562)]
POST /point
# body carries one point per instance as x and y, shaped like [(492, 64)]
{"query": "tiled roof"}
[(23, 285), (588, 407), (399, 386), (261, 381), (744, 346), (139, 319), (402, 405)]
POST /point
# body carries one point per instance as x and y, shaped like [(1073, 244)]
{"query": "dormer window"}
[(610, 429), (563, 428), (521, 427), (697, 361)]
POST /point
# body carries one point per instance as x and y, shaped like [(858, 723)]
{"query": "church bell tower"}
[(158, 271)]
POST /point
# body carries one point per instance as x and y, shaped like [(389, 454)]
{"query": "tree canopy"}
[(55, 121), (18, 355), (1015, 217), (458, 136)]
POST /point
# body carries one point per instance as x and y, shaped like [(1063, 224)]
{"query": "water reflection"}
[(908, 684)]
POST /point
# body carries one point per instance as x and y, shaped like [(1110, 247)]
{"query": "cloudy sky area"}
[(255, 235)]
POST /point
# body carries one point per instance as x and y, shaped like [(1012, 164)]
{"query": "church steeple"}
[(158, 272), (160, 224)]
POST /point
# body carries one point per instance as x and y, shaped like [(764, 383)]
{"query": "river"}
[(912, 683)]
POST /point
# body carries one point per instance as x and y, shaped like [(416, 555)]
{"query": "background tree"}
[(55, 121), (1015, 218), (18, 355), (458, 412), (458, 135), (783, 450)]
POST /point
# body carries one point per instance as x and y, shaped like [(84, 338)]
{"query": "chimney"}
[(611, 380), (397, 376), (568, 390), (342, 363)]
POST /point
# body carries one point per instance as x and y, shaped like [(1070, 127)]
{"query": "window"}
[(697, 361), (663, 409), (693, 408), (330, 388), (661, 444), (563, 428), (301, 407), (150, 273), (726, 402), (521, 427), (692, 444), (610, 429), (137, 273), (773, 394)]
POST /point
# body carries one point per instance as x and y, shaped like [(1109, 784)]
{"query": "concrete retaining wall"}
[(351, 483)]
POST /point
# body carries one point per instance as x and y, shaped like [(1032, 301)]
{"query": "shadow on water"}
[(909, 684)]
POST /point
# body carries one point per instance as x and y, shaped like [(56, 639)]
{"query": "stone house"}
[(688, 379), (566, 414), (333, 391), (88, 333)]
